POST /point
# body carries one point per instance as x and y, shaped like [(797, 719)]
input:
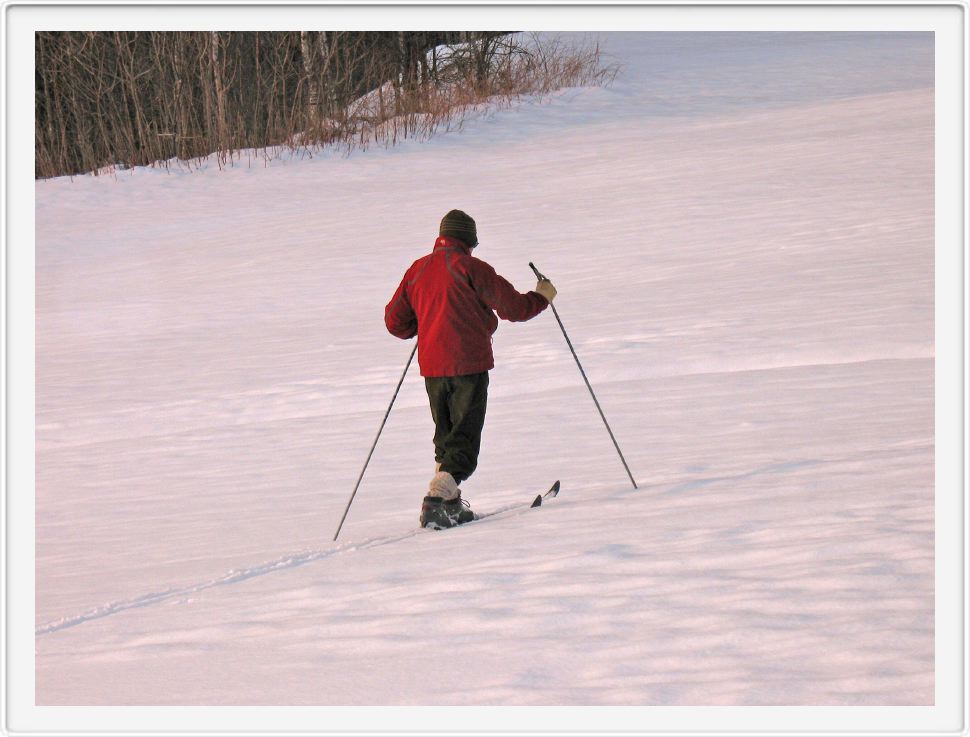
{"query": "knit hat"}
[(459, 225)]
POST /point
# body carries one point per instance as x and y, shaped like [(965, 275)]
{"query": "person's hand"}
[(545, 288)]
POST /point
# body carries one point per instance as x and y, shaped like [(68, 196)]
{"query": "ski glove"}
[(545, 288)]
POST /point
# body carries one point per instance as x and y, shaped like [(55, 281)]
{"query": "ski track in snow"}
[(237, 576), (290, 561)]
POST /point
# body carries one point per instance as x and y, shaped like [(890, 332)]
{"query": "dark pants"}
[(458, 409)]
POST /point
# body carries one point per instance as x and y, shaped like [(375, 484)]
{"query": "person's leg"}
[(439, 388), (458, 409), (467, 402), (442, 485)]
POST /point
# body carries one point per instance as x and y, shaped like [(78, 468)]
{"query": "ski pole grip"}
[(536, 271)]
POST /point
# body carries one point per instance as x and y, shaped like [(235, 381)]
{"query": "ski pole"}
[(383, 422), (588, 386)]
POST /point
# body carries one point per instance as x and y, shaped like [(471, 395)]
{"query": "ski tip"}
[(553, 490), (537, 502)]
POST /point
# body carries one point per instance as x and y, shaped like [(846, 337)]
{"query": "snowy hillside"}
[(741, 231)]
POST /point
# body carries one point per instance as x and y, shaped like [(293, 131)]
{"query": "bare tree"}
[(121, 98)]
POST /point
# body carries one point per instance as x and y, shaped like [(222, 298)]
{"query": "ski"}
[(553, 491), (537, 502)]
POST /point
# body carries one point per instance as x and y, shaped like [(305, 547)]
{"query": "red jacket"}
[(447, 299)]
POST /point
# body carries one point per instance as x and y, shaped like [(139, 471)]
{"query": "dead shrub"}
[(114, 100)]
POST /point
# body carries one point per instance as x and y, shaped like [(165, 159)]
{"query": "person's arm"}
[(399, 315), (499, 294)]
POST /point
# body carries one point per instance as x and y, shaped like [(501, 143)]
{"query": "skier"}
[(450, 299)]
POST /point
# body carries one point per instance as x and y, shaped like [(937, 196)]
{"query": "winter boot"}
[(440, 514)]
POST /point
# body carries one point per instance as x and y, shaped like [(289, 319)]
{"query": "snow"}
[(741, 232)]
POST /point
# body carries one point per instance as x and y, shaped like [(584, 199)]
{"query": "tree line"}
[(128, 98)]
